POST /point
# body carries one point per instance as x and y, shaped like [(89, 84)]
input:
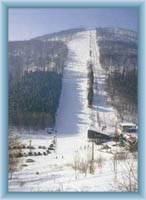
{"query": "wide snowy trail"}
[(73, 112), (103, 114)]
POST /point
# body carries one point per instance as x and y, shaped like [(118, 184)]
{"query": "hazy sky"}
[(27, 23)]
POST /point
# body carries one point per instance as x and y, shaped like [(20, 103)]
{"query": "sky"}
[(27, 23)]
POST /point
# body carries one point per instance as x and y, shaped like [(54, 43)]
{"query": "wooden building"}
[(98, 137)]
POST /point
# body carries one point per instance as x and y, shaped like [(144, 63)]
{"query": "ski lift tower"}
[(55, 139)]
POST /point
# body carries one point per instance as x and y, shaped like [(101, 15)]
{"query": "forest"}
[(90, 84), (34, 99), (35, 79), (119, 58), (33, 55), (123, 95)]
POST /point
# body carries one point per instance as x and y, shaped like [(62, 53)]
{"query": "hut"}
[(98, 137)]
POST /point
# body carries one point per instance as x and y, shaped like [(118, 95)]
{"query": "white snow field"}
[(55, 171)]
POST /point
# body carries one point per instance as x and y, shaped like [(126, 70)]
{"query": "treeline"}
[(65, 34), (34, 99), (90, 84)]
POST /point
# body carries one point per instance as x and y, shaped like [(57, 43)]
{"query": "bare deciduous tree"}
[(125, 173), (14, 152)]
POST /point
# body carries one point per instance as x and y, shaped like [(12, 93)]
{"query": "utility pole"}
[(92, 150)]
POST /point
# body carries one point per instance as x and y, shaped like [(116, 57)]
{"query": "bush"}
[(30, 160)]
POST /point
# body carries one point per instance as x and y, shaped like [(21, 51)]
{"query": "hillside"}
[(35, 79), (36, 55), (119, 58), (118, 49)]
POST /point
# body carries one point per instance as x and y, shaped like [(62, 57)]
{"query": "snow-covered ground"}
[(73, 112), (103, 114), (55, 171)]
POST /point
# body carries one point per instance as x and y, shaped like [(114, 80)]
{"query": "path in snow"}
[(73, 112)]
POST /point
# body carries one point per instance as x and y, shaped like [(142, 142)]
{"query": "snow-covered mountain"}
[(117, 49), (68, 168)]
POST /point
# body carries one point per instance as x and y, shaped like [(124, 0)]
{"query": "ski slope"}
[(73, 116), (103, 113)]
